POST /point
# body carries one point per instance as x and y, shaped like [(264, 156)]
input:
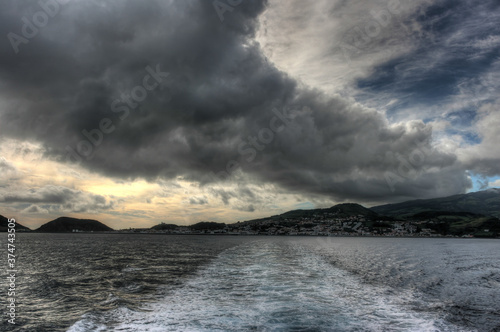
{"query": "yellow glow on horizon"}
[(105, 186), (136, 203)]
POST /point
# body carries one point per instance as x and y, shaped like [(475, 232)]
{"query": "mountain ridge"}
[(341, 210), (486, 202)]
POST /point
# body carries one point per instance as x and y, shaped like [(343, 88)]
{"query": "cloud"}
[(35, 209), (220, 105), (247, 208), (198, 201), (224, 195), (57, 199), (8, 172), (484, 157), (6, 166), (451, 50), (331, 44)]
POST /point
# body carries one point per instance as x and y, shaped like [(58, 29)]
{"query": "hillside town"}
[(357, 225)]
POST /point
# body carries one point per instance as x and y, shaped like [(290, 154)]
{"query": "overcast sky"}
[(140, 112)]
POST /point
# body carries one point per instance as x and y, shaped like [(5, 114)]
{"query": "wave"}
[(273, 286)]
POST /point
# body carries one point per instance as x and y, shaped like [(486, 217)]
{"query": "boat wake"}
[(273, 286)]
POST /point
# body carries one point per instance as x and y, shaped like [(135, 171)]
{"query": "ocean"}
[(143, 282)]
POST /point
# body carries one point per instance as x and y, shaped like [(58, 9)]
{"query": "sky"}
[(140, 112)]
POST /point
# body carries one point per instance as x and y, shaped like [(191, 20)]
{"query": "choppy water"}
[(81, 282)]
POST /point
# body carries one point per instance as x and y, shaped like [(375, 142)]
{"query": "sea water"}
[(129, 282)]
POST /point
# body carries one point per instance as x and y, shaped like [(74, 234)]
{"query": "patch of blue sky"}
[(462, 118), (481, 182), (304, 206)]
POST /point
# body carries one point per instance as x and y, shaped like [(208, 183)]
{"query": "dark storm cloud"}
[(217, 105)]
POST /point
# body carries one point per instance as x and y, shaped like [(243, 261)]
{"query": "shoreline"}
[(267, 235)]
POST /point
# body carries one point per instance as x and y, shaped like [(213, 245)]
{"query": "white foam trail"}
[(266, 286)]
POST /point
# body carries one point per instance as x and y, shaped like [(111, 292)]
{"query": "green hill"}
[(353, 209), (199, 226), (4, 225), (65, 224), (207, 225), (420, 218), (338, 211), (164, 227), (459, 223), (485, 202)]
